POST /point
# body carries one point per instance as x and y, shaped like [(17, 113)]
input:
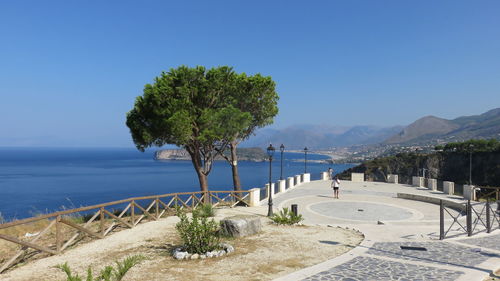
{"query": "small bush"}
[(286, 216), (204, 211), (199, 234), (109, 273)]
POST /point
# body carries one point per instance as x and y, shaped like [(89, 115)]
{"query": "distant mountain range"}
[(321, 137), (426, 130), (431, 129)]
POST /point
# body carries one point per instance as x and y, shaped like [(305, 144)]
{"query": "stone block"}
[(391, 178), (254, 197), (267, 189), (357, 177), (281, 186), (449, 187), (469, 192), (290, 182), (306, 177), (417, 181), (432, 184), (325, 176), (297, 179), (241, 225)]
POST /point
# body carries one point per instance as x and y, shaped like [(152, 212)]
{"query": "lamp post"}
[(282, 149), (305, 159), (270, 152), (471, 147)]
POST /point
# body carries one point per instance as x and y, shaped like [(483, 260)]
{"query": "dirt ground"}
[(276, 251)]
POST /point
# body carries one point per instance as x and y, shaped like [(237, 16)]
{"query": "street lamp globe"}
[(270, 151)]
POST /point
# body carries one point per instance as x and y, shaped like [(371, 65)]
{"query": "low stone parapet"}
[(434, 200), (281, 186), (449, 187), (267, 189), (391, 178), (325, 176), (432, 184), (297, 180), (417, 181), (357, 177), (306, 177), (469, 192), (254, 197), (290, 182)]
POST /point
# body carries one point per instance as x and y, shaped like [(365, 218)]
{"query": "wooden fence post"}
[(101, 218), (58, 234), (157, 207), (132, 212)]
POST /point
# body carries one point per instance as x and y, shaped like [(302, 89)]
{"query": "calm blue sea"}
[(41, 180)]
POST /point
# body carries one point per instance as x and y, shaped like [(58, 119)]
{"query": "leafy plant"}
[(199, 234), (286, 216), (204, 211), (109, 273)]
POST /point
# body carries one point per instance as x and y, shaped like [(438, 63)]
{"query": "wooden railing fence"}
[(136, 210)]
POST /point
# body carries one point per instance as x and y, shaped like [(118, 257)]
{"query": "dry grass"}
[(277, 251)]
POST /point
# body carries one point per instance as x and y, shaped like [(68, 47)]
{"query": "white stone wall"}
[(324, 176), (290, 182), (357, 177), (449, 187)]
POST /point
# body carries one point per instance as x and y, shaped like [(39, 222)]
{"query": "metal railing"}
[(479, 216)]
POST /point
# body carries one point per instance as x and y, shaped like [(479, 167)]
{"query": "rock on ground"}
[(241, 225)]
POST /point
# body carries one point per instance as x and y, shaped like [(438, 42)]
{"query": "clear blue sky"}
[(70, 70)]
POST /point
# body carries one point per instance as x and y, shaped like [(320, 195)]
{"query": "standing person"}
[(330, 173), (336, 186)]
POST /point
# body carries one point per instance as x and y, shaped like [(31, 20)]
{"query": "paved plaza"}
[(401, 236)]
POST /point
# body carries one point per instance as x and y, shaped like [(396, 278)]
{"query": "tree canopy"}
[(188, 107), (256, 96), (473, 145)]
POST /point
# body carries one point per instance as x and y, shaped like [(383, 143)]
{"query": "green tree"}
[(187, 107), (256, 96)]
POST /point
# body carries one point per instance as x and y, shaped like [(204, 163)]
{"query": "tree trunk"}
[(234, 167), (198, 166)]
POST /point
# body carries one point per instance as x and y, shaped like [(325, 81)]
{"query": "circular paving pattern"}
[(361, 211)]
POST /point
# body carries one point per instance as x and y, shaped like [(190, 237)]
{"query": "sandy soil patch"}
[(275, 252)]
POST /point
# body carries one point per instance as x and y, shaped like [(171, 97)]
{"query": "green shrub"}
[(199, 234), (109, 273), (204, 211), (286, 216)]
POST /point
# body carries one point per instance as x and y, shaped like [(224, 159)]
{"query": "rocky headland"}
[(244, 154)]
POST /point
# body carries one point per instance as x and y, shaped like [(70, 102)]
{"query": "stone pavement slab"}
[(490, 241), (362, 206), (435, 252), (366, 268)]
